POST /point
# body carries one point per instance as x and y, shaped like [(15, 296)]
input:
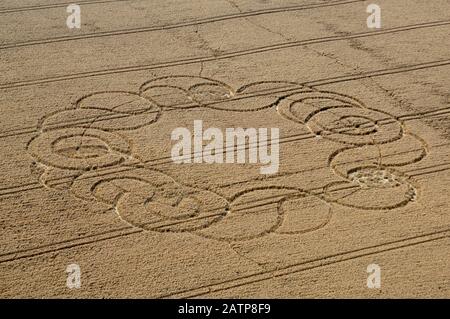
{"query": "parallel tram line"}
[(57, 5), (128, 230), (299, 267), (177, 25), (315, 83), (194, 60)]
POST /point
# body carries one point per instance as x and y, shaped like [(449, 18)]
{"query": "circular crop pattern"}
[(78, 148), (341, 118), (85, 138), (375, 178)]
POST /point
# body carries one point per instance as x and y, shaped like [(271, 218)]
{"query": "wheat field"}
[(87, 176)]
